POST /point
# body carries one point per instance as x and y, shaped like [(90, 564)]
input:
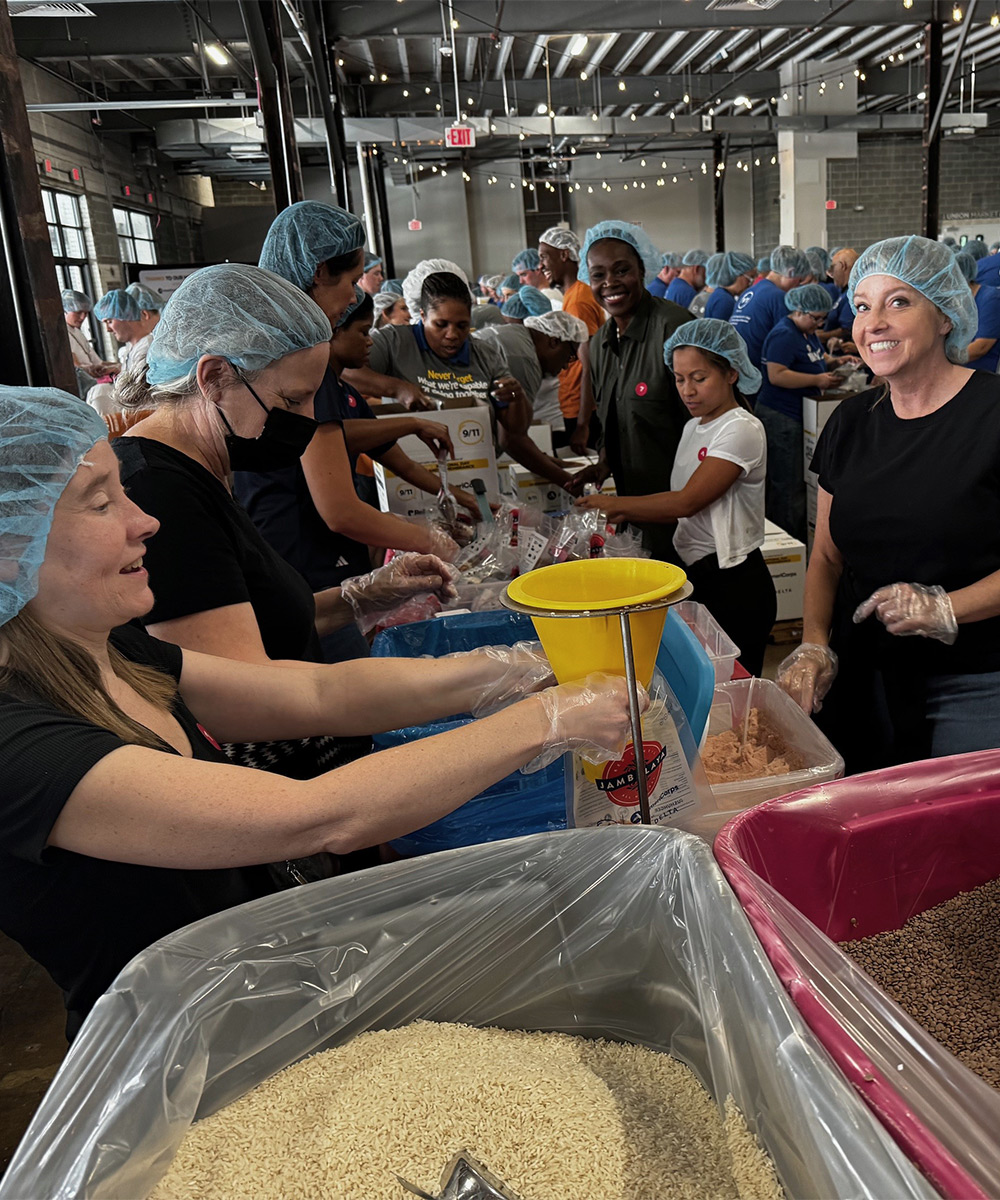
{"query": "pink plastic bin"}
[(856, 857)]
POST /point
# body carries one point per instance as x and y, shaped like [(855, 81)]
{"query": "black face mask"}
[(281, 443)]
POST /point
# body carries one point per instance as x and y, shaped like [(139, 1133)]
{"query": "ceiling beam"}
[(693, 51), (597, 57), (661, 52), (404, 59), (535, 57), (503, 53), (470, 59), (623, 63), (752, 54)]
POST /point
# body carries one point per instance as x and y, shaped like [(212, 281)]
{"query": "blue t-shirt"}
[(841, 317), (756, 313), (720, 305), (832, 288), (989, 270), (657, 288), (988, 306), (799, 352), (681, 292)]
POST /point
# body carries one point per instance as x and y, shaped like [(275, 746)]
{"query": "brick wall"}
[(766, 208)]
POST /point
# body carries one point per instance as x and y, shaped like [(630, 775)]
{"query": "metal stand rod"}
[(633, 709)]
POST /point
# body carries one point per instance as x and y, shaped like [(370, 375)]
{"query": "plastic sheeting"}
[(854, 858), (626, 933)]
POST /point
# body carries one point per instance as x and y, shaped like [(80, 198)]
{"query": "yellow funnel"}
[(580, 646)]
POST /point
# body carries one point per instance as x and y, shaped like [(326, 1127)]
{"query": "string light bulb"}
[(956, 13), (621, 85), (995, 19)]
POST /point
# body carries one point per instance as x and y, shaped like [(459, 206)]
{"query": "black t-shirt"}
[(281, 507), (84, 918), (208, 554), (917, 501)]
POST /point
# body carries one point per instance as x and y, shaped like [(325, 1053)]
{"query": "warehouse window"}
[(69, 233), (135, 236)]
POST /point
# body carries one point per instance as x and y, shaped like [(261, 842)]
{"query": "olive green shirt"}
[(641, 414)]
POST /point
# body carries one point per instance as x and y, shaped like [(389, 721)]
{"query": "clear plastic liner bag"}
[(630, 934)]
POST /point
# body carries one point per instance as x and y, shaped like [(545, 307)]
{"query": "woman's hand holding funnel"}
[(590, 717)]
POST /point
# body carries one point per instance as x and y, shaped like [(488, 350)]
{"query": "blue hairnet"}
[(148, 299), (976, 248), (967, 265), (243, 314), (527, 302), (44, 436), (118, 306), (75, 301), (930, 269), (994, 247), (515, 308), (810, 297), (306, 234), (790, 261), (527, 260), (764, 264), (631, 235), (717, 337), (392, 285), (511, 283), (819, 260), (724, 269), (352, 308), (695, 258), (371, 260), (672, 259)]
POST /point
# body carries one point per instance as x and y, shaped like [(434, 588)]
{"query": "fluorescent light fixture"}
[(216, 53), (578, 44)]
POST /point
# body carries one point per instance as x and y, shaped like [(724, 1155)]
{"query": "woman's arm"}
[(822, 577), (713, 478), (978, 601), (979, 347), (364, 435), (784, 377), (372, 383)]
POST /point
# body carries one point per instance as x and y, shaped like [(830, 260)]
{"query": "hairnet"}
[(929, 268), (672, 259), (243, 314), (118, 306), (695, 258), (534, 301), (352, 308), (306, 234), (44, 436), (383, 301), (724, 269), (494, 282), (949, 242), (511, 283), (75, 301), (790, 261), (414, 281), (527, 260), (994, 247), (764, 264), (147, 299), (515, 308), (395, 286), (631, 235), (562, 239), (976, 248), (717, 337), (967, 265), (371, 260), (810, 297), (819, 260), (559, 324)]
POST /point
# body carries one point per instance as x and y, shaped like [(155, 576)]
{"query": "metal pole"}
[(720, 151), (636, 718), (931, 141), (956, 58), (366, 196), (334, 141), (378, 184)]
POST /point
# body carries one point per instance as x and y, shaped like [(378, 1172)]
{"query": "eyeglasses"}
[(817, 317)]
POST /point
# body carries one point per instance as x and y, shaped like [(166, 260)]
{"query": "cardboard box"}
[(472, 436), (786, 560), (815, 414), (529, 488)]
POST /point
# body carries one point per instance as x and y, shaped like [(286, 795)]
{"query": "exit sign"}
[(460, 137), (415, 226), (831, 205)]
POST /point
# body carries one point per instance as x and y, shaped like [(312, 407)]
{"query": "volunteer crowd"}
[(192, 560)]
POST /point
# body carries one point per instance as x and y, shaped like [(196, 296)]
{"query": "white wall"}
[(496, 219)]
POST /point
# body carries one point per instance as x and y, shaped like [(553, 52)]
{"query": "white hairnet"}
[(790, 261), (243, 314), (414, 281), (306, 234), (559, 324), (930, 269), (75, 301), (44, 436), (622, 231), (562, 239), (717, 337), (384, 301)]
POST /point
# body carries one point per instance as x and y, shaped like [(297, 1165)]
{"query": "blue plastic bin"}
[(685, 665)]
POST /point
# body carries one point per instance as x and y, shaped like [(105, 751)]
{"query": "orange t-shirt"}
[(578, 300)]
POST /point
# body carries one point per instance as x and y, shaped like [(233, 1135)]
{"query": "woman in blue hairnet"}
[(121, 820), (903, 585), (716, 503)]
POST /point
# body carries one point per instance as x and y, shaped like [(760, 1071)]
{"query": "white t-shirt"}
[(84, 354), (733, 525)]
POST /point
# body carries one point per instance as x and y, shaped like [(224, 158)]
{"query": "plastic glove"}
[(513, 672), (591, 718), (912, 610), (807, 675), (374, 596), (441, 544)]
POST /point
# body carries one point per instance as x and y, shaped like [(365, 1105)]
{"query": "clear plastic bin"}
[(732, 700), (625, 933), (719, 646)]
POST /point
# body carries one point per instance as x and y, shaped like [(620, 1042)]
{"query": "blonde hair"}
[(64, 674)]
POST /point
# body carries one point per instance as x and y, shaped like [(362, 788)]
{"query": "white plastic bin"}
[(631, 934), (729, 707), (719, 646)]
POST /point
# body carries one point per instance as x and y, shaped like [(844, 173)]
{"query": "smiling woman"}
[(903, 586)]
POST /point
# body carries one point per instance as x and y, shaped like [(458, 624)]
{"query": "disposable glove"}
[(373, 596), (513, 673), (912, 610), (441, 544), (591, 718), (807, 675)]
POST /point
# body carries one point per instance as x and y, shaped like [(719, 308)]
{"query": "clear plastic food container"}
[(719, 646)]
